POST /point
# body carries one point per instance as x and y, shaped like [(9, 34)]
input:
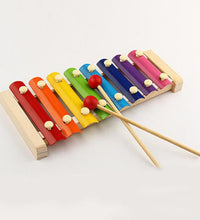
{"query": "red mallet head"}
[(90, 102), (94, 81)]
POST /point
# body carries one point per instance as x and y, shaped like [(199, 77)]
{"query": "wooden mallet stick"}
[(149, 130), (120, 116), (94, 82)]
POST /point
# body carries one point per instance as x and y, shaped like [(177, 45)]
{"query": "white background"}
[(102, 174)]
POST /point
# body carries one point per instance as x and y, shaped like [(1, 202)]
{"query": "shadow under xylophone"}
[(127, 84)]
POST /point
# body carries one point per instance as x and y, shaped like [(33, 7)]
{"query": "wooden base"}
[(153, 94), (28, 132), (32, 137), (163, 67)]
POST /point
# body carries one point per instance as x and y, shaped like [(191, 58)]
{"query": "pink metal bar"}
[(149, 69)]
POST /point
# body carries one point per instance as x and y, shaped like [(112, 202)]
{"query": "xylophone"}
[(43, 119)]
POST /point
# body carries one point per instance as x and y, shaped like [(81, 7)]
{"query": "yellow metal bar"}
[(71, 99)]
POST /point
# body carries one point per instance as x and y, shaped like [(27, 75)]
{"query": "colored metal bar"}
[(119, 80), (81, 85), (53, 106), (35, 111), (149, 69), (109, 89), (134, 75), (71, 99)]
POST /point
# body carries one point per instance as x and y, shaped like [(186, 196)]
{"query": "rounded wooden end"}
[(123, 58), (163, 76), (133, 89), (41, 84), (102, 102), (107, 63), (67, 119), (76, 73), (23, 89), (48, 125), (147, 82), (139, 53), (91, 68), (118, 96), (58, 78), (85, 111)]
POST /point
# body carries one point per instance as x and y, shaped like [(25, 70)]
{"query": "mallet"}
[(94, 82), (92, 103)]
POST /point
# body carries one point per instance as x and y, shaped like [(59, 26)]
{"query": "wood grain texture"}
[(26, 129), (163, 67)]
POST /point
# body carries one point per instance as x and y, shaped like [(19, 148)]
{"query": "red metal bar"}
[(35, 111)]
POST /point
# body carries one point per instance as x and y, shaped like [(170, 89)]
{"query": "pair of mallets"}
[(92, 103)]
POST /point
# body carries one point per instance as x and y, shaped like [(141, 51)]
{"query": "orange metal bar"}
[(53, 106)]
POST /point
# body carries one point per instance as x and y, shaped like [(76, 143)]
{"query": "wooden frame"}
[(32, 137), (23, 124), (165, 68)]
